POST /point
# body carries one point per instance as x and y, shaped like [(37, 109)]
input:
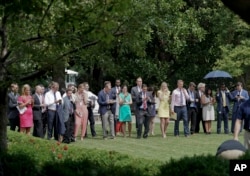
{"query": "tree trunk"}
[(3, 121), (59, 73)]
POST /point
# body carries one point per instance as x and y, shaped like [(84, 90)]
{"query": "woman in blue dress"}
[(125, 101)]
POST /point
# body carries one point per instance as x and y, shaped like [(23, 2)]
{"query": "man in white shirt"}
[(51, 100)]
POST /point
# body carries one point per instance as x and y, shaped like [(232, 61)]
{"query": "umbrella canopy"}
[(217, 74)]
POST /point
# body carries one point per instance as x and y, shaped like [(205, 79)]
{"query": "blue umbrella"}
[(217, 74)]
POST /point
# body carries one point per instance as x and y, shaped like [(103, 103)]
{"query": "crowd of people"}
[(62, 115)]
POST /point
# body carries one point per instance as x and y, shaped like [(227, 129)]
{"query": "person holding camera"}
[(239, 96)]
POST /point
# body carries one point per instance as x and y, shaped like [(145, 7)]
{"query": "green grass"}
[(156, 147)]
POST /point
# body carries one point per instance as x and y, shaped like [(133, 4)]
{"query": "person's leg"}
[(77, 126), (198, 120), (247, 139), (51, 116), (104, 124), (176, 122), (219, 117), (226, 130), (124, 129), (28, 130), (129, 128), (233, 122), (209, 126), (166, 125), (111, 119), (22, 130), (146, 125), (193, 121), (84, 126), (152, 126), (45, 122), (140, 123), (185, 121), (162, 125), (92, 122)]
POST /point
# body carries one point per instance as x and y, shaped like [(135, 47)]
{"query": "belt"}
[(52, 110), (180, 106), (143, 109)]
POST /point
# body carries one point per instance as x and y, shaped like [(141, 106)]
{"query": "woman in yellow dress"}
[(163, 110)]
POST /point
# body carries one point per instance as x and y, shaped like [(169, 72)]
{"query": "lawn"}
[(158, 148)]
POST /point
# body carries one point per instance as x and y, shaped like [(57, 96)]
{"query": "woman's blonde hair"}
[(25, 87), (164, 84)]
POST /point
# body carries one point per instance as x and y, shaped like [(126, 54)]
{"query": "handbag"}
[(21, 110)]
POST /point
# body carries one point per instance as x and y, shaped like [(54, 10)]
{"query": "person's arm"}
[(131, 101), (12, 102), (237, 129), (172, 102), (101, 100), (186, 94)]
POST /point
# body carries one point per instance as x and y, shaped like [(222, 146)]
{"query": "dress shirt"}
[(50, 99), (176, 98)]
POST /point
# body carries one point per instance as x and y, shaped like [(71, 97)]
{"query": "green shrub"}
[(38, 157)]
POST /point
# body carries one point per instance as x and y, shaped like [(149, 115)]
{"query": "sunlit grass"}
[(156, 147)]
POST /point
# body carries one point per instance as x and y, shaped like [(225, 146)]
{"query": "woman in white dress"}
[(208, 114)]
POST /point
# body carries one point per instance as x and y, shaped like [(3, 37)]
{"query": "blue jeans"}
[(181, 112), (52, 124)]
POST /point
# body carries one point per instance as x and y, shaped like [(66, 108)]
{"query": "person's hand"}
[(172, 112)]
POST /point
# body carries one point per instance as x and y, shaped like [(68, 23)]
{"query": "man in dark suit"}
[(115, 92), (13, 114), (135, 91), (239, 96), (143, 102), (37, 113), (199, 118), (68, 114), (223, 97), (106, 102), (192, 106)]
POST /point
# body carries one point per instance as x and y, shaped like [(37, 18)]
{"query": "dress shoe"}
[(145, 135)]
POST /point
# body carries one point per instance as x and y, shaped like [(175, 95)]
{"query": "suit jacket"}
[(237, 103), (37, 110), (196, 96), (102, 101), (134, 94), (66, 108), (219, 101), (12, 103), (150, 102), (116, 95)]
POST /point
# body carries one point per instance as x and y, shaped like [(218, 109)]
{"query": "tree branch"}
[(45, 14)]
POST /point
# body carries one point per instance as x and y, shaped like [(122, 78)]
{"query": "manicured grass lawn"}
[(156, 147)]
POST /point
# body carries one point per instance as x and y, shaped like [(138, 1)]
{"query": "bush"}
[(37, 157)]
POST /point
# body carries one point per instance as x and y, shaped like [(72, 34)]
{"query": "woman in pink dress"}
[(81, 112), (26, 119)]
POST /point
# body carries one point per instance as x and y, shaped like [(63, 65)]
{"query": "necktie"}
[(145, 102), (181, 97), (71, 110), (224, 99)]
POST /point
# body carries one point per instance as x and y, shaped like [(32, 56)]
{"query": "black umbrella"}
[(217, 74)]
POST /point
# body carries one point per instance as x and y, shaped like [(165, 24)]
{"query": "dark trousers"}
[(143, 119), (91, 122), (222, 116), (69, 125), (137, 115), (38, 128), (234, 117), (192, 113), (15, 123), (45, 122), (198, 120), (181, 112), (52, 124)]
